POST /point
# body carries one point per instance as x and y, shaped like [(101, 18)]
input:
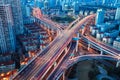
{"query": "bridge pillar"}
[(40, 47), (63, 76), (118, 63), (48, 29), (88, 12), (41, 23), (77, 42), (66, 50), (51, 30), (88, 47), (55, 64), (101, 52), (44, 24)]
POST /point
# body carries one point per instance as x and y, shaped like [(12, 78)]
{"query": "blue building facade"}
[(117, 16), (100, 16), (17, 15), (7, 36), (52, 3)]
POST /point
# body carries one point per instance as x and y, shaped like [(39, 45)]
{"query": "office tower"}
[(16, 13), (58, 2), (7, 39), (41, 4), (105, 2), (38, 3), (26, 11), (76, 6), (52, 3), (100, 16), (67, 1), (3, 48), (117, 2), (119, 27), (23, 1), (117, 16), (46, 4)]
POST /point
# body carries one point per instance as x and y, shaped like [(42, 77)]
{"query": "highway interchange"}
[(41, 63)]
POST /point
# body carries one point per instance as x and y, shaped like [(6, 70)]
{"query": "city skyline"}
[(41, 38)]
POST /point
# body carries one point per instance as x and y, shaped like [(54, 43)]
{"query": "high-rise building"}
[(58, 2), (46, 4), (3, 48), (7, 39), (119, 27), (117, 2), (26, 11), (16, 13), (100, 16), (107, 2), (38, 3), (117, 16), (76, 6), (52, 3)]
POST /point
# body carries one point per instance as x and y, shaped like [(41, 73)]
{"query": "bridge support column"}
[(52, 32), (40, 47), (43, 24), (48, 29), (66, 49), (101, 52), (77, 42), (63, 76), (118, 63), (88, 47)]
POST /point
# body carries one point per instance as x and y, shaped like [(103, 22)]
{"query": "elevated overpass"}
[(70, 62), (69, 34), (41, 62), (39, 66), (100, 45)]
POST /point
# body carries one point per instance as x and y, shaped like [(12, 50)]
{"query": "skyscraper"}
[(100, 16), (117, 16), (26, 11), (16, 13), (52, 3), (76, 6), (7, 39), (117, 2), (46, 4), (107, 2)]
